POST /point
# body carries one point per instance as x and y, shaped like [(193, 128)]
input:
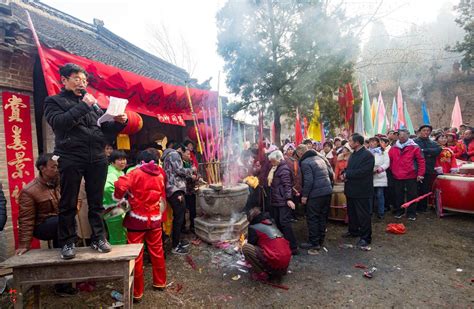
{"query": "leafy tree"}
[(465, 20), (280, 55)]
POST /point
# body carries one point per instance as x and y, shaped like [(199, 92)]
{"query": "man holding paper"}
[(79, 142)]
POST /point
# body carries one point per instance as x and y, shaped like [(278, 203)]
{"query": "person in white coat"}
[(382, 163)]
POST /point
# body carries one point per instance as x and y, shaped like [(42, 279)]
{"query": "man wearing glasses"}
[(80, 143)]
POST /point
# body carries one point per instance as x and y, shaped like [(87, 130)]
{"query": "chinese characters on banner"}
[(19, 147), (171, 119)]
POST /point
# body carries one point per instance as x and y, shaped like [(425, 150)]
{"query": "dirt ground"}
[(431, 266)]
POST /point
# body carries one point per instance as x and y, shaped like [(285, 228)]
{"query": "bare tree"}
[(172, 48)]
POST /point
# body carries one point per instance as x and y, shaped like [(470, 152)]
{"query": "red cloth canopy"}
[(145, 95)]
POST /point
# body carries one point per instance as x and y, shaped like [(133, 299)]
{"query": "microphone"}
[(95, 107)]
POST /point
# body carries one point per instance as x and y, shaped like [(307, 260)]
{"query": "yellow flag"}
[(314, 130)]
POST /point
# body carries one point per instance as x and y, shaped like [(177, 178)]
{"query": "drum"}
[(338, 210), (467, 169), (454, 193)]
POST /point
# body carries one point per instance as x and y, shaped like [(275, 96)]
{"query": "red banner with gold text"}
[(19, 147)]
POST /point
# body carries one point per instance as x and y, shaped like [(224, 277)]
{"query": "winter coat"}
[(382, 160), (430, 151), (282, 184), (175, 172), (77, 136), (359, 175), (113, 175), (38, 201), (458, 149), (145, 186), (273, 247), (296, 172), (341, 165), (3, 209), (317, 175), (469, 155), (407, 160), (446, 162)]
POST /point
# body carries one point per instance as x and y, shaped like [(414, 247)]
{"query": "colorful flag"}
[(373, 111), (424, 112), (359, 122), (298, 135), (314, 130), (381, 119), (349, 120), (456, 117), (369, 129), (394, 119), (409, 124), (400, 113)]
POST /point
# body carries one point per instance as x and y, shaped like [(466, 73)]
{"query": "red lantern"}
[(203, 130), (134, 125)]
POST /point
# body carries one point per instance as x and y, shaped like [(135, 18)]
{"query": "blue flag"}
[(424, 112)]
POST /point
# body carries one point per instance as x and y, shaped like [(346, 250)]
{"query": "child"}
[(145, 187)]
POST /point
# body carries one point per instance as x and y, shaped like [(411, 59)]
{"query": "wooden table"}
[(44, 266)]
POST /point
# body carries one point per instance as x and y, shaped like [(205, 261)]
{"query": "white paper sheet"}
[(116, 107)]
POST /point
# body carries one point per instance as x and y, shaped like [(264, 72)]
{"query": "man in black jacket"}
[(430, 151), (359, 190), (80, 144), (316, 194)]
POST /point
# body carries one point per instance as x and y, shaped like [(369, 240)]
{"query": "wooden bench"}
[(44, 266)]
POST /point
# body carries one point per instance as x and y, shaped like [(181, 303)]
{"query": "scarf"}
[(271, 174), (409, 142), (376, 150)]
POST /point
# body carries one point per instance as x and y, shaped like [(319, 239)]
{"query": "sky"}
[(195, 21)]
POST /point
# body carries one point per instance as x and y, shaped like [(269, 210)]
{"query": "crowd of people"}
[(115, 202)]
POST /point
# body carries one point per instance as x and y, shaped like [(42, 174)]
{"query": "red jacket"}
[(406, 162), (273, 246), (447, 161), (470, 150), (146, 188)]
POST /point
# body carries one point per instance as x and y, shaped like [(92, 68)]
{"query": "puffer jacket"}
[(145, 186), (360, 175), (282, 184), (274, 249), (77, 136), (38, 201), (3, 209), (431, 151), (316, 175), (113, 175), (407, 160), (382, 160), (296, 172), (176, 174)]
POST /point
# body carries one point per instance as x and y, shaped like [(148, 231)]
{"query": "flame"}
[(242, 240)]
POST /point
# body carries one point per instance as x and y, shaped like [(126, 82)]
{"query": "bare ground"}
[(430, 266)]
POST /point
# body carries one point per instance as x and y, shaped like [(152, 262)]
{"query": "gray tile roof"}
[(61, 31)]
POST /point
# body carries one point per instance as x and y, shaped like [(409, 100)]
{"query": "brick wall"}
[(16, 75)]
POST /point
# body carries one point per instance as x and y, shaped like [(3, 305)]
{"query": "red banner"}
[(19, 146), (174, 119)]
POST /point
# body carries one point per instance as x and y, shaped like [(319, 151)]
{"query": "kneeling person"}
[(267, 250)]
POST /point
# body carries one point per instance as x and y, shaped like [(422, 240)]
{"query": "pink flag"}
[(401, 113), (456, 117)]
